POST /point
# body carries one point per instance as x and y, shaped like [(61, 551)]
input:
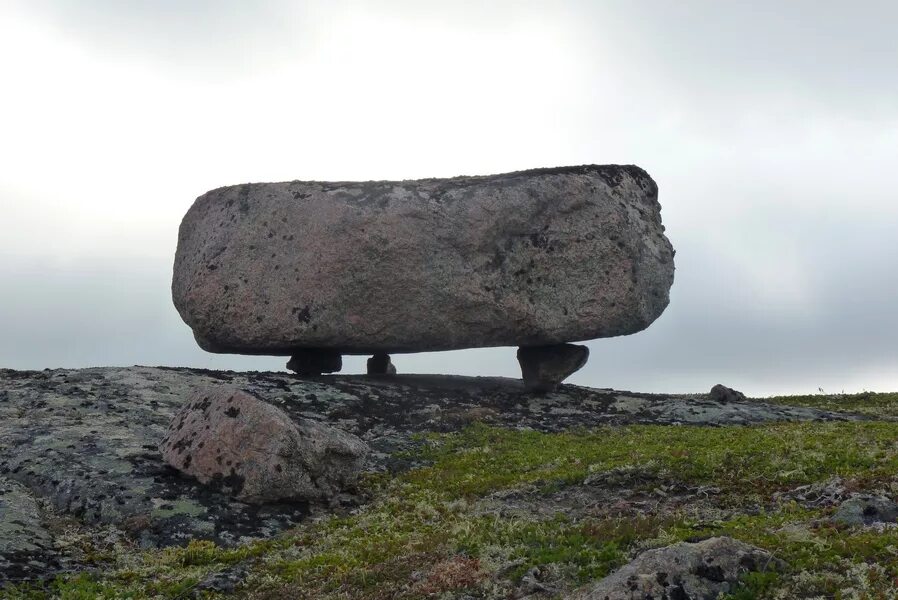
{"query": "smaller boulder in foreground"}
[(694, 571), (866, 510), (254, 451)]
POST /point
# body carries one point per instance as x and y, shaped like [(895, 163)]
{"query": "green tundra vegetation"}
[(493, 504)]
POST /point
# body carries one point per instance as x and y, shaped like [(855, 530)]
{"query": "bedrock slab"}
[(26, 546), (530, 258), (84, 443)]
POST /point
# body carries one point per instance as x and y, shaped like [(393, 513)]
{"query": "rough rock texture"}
[(687, 571), (315, 362), (380, 364), (26, 546), (721, 393), (522, 259), (254, 450), (866, 510), (84, 442), (545, 367)]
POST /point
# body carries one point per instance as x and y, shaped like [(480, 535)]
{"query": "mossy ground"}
[(487, 517)]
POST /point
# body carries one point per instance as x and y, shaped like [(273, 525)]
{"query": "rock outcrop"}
[(254, 451), (26, 547), (531, 258), (693, 571), (85, 441)]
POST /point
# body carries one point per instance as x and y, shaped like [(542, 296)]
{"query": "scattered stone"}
[(380, 364), (535, 582), (545, 367), (531, 258), (309, 363), (818, 494), (866, 510), (225, 581), (721, 393), (229, 438), (26, 547), (693, 571)]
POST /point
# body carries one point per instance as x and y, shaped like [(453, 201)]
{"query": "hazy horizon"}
[(771, 130)]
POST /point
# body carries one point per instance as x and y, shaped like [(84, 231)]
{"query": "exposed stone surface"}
[(531, 258), (545, 367), (866, 510), (380, 364), (26, 546), (224, 581), (85, 442), (313, 362), (689, 571), (254, 450), (721, 393)]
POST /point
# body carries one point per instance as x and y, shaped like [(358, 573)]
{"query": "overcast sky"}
[(771, 128)]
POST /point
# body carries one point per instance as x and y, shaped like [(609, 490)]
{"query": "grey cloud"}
[(209, 38), (835, 47)]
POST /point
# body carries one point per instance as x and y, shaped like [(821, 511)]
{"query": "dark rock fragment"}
[(380, 364), (866, 510), (545, 367), (313, 362), (721, 393)]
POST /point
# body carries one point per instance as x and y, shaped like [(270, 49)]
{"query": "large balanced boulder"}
[(532, 258), (229, 438)]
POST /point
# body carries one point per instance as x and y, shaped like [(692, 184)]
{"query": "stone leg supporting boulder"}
[(545, 367), (255, 452), (310, 362), (380, 364)]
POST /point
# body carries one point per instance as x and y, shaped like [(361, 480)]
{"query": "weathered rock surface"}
[(311, 362), (26, 546), (84, 443), (380, 364), (255, 452), (531, 258), (866, 510), (722, 393), (544, 367), (688, 571)]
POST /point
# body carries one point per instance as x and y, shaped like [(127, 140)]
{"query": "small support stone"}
[(380, 364), (310, 362), (721, 393), (545, 367)]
